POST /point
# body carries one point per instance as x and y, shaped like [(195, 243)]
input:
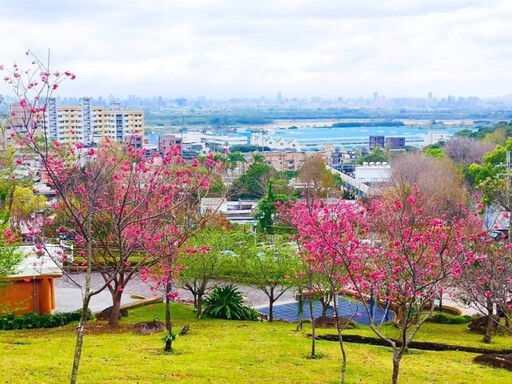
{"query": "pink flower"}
[(27, 279)]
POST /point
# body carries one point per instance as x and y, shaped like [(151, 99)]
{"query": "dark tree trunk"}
[(116, 308), (199, 306), (325, 301), (313, 329), (343, 370), (168, 320), (271, 305), (396, 368), (301, 311), (489, 329)]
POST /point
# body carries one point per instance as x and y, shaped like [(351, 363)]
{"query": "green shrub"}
[(227, 302), (448, 318), (33, 320)]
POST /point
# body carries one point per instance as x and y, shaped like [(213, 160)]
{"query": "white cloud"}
[(300, 47)]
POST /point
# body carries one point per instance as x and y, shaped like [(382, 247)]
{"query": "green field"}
[(217, 351)]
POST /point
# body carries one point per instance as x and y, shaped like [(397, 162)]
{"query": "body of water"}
[(313, 135)]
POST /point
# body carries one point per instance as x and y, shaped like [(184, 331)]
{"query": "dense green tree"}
[(376, 155), (254, 182), (204, 259), (434, 152), (266, 210), (314, 174), (494, 177), (269, 267)]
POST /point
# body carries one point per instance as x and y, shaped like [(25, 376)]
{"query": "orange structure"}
[(31, 289), (34, 294)]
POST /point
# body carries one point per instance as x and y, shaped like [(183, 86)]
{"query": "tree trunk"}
[(271, 306), (168, 320), (194, 295), (86, 298), (340, 340), (199, 306), (313, 330), (489, 329), (325, 301), (79, 340), (396, 367), (116, 308), (300, 309)]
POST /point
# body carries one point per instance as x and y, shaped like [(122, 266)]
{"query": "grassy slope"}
[(217, 351)]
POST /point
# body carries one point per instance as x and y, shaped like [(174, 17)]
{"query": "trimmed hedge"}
[(33, 320), (448, 318)]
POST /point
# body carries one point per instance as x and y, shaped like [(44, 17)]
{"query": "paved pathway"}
[(346, 308), (69, 296)]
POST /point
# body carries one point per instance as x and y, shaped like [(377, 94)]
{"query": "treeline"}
[(352, 124), (260, 116)]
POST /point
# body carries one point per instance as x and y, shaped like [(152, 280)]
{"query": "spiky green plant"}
[(227, 302)]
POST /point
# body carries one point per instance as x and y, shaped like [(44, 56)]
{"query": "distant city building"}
[(134, 141), (167, 141), (373, 173), (238, 212), (395, 143), (375, 141), (434, 137), (285, 160), (391, 143), (86, 123), (278, 143)]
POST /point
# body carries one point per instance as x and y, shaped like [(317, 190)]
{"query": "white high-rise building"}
[(90, 124)]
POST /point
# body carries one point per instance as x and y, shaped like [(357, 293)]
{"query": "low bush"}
[(33, 320), (227, 302), (448, 318)]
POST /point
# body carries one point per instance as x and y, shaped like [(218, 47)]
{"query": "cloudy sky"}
[(237, 48)]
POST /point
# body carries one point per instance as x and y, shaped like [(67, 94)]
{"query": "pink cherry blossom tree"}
[(486, 284), (331, 238), (415, 255), (117, 204), (392, 249)]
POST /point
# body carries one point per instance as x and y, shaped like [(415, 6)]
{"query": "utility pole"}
[(507, 191)]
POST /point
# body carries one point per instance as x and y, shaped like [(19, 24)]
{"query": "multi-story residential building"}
[(90, 124), (167, 141), (391, 143), (286, 160)]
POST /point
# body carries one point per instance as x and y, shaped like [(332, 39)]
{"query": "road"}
[(69, 294)]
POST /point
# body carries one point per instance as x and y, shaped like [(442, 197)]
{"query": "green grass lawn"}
[(217, 351)]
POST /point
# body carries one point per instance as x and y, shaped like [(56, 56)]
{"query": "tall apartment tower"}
[(51, 119), (87, 118), (84, 123)]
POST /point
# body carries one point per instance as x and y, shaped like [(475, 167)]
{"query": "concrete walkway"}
[(69, 295)]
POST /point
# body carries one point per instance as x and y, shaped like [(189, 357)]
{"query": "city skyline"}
[(223, 49)]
